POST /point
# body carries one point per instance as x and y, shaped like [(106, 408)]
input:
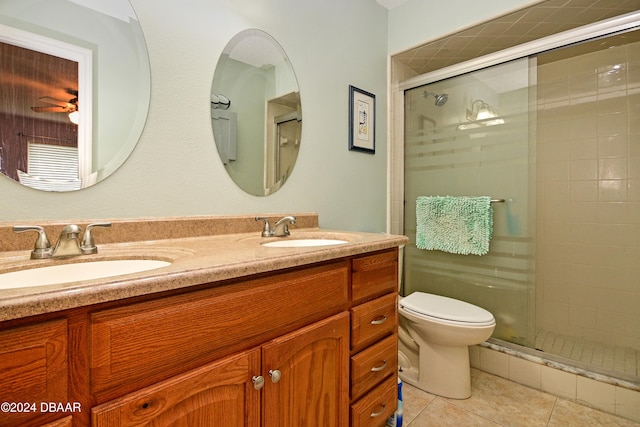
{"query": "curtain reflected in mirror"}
[(39, 141), (75, 97)]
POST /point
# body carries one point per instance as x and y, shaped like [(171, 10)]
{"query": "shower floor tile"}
[(616, 359)]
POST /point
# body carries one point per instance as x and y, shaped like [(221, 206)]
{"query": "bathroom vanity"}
[(231, 333)]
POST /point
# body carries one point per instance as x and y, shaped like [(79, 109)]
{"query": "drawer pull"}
[(379, 320), (275, 375), (380, 412), (379, 368), (258, 381)]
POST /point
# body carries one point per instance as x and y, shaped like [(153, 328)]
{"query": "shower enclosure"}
[(557, 136), (477, 144)]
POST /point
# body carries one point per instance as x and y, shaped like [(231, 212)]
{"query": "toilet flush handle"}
[(379, 320)]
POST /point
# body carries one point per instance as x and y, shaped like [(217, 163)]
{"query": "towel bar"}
[(497, 200)]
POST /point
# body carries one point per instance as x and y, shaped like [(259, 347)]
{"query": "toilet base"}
[(443, 370)]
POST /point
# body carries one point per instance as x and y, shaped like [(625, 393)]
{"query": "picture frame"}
[(362, 120)]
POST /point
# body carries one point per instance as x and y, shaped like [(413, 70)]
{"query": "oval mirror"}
[(256, 114), (76, 85)]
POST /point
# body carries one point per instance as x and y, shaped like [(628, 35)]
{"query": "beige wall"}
[(588, 184)]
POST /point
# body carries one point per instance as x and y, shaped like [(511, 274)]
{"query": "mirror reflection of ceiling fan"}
[(59, 106)]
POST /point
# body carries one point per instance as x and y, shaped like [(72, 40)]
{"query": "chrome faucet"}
[(280, 229), (68, 243)]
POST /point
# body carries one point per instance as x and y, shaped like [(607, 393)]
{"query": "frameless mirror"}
[(76, 85), (256, 114)]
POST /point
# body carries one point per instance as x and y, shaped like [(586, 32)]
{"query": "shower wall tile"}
[(525, 372), (634, 236), (633, 168), (556, 170), (586, 148), (612, 105), (581, 85), (558, 383), (597, 394), (556, 191), (584, 212), (634, 211), (634, 192), (584, 191), (583, 126), (612, 146), (582, 170), (614, 212), (612, 124), (627, 403), (556, 232), (494, 362), (612, 190)]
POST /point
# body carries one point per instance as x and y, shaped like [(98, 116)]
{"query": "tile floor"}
[(497, 402)]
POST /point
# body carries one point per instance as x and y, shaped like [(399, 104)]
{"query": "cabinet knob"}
[(258, 381), (380, 412), (275, 375)]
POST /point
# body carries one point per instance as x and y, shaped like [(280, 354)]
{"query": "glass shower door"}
[(470, 135)]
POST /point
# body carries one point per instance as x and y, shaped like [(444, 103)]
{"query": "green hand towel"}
[(460, 225)]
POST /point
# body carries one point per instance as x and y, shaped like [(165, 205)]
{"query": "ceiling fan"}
[(59, 106)]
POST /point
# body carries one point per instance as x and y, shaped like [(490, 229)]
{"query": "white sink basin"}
[(65, 273), (301, 243)]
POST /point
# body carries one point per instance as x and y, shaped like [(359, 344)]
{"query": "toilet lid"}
[(446, 308)]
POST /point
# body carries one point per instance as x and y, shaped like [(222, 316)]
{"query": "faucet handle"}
[(42, 247), (266, 230), (88, 245)]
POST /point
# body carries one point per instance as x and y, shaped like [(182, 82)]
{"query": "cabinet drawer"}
[(374, 275), (373, 320), (375, 408), (138, 345), (33, 368), (372, 365)]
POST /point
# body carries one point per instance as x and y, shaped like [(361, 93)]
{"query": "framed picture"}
[(362, 120)]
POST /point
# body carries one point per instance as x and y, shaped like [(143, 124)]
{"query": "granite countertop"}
[(194, 261)]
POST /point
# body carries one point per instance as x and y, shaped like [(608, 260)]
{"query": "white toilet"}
[(435, 333)]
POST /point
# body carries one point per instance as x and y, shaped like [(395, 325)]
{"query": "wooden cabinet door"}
[(218, 394), (313, 368), (64, 422), (33, 370)]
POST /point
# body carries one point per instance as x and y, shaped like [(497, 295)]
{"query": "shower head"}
[(440, 99)]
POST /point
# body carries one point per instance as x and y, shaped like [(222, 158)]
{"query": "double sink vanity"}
[(223, 327)]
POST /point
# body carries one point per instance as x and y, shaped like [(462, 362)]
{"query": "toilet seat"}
[(448, 309)]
